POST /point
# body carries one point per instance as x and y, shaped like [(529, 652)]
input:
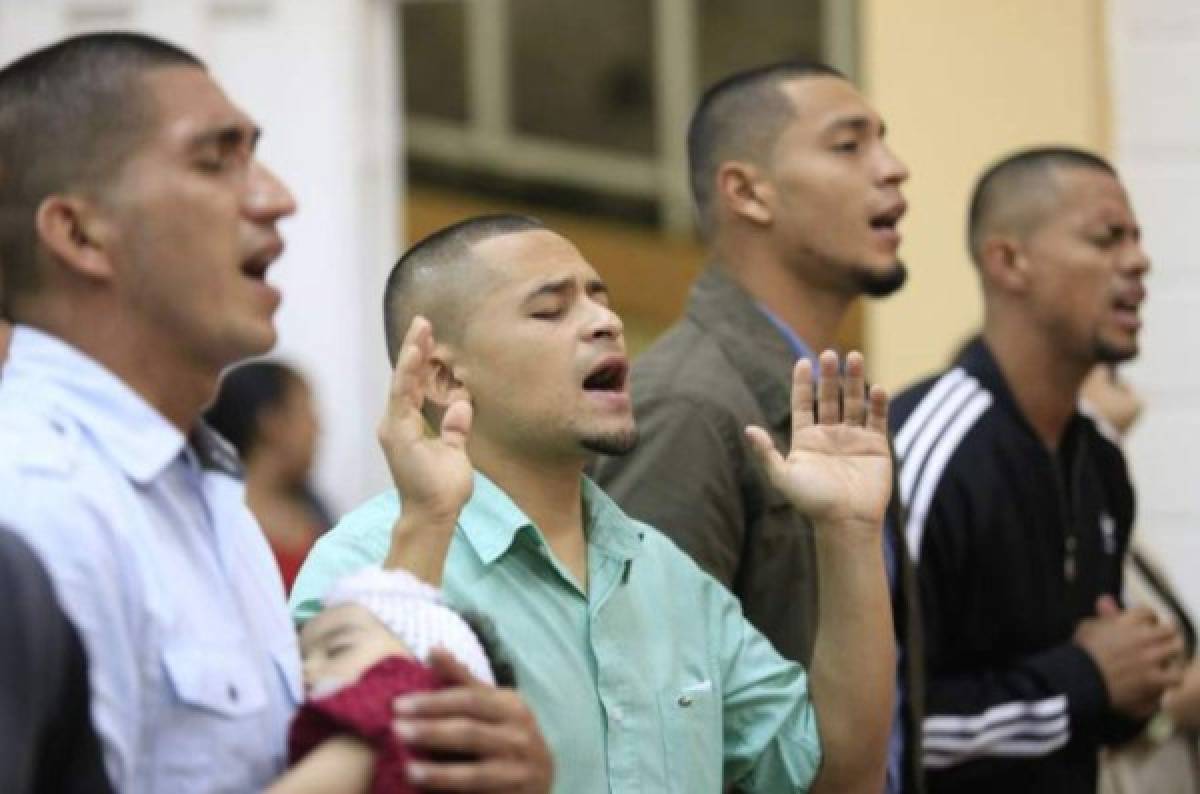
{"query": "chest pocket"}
[(220, 681), (692, 738)]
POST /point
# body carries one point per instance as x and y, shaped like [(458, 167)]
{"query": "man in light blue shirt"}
[(641, 669), (135, 227)]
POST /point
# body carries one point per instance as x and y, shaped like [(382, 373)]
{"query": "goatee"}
[(880, 285)]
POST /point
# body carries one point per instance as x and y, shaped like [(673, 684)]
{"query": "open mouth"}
[(609, 375), (1129, 300), (255, 266), (889, 219)]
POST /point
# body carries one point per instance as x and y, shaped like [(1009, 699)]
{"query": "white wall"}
[(1155, 60), (321, 77)]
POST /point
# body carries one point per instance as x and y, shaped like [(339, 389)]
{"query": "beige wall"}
[(961, 82)]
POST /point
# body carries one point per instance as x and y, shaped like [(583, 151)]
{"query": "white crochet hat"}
[(414, 612)]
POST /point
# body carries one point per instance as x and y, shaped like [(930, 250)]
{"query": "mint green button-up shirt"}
[(651, 681)]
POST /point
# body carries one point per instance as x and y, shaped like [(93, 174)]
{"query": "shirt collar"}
[(138, 438), (491, 522), (798, 345)]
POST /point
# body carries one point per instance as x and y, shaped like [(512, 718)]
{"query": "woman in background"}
[(265, 409)]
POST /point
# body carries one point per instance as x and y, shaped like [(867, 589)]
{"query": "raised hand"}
[(431, 472), (839, 468)]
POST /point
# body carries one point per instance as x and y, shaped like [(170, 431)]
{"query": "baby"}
[(369, 645)]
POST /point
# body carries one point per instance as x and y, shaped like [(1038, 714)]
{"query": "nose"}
[(267, 198), (1137, 261), (893, 171), (605, 323)]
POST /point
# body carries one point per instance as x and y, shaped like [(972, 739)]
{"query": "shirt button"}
[(233, 694), (684, 701), (617, 716)]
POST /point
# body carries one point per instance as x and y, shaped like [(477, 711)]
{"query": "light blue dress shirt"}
[(193, 662), (650, 681)]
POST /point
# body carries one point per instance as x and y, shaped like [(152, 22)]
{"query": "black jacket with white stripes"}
[(1013, 545)]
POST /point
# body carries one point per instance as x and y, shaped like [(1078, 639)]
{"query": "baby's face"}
[(340, 643)]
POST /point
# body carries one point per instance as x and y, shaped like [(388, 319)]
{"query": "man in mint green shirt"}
[(640, 668)]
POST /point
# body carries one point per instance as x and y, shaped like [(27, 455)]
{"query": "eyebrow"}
[(329, 635), (856, 123), (229, 136), (560, 286)]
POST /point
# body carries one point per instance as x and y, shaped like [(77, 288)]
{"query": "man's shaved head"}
[(739, 118), (1015, 194), (440, 277), (70, 116)]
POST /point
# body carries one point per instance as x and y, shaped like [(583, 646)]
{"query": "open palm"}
[(839, 467), (431, 472)]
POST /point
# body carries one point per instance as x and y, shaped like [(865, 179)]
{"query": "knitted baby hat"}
[(414, 612)]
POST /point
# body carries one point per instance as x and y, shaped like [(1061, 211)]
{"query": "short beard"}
[(880, 285), (1107, 354), (611, 443)]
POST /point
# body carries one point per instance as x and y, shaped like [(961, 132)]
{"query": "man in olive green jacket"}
[(798, 199)]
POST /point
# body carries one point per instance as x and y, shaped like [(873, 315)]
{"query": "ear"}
[(73, 231), (444, 385), (1004, 263), (743, 192)]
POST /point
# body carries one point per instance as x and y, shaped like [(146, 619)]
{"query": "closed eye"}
[(337, 649)]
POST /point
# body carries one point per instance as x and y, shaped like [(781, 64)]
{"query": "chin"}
[(879, 283), (1108, 352), (619, 442)]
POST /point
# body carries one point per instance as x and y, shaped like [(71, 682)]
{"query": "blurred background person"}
[(266, 410), (1019, 508), (47, 740), (1165, 757)]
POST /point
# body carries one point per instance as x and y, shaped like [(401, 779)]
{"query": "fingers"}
[(854, 390), (475, 700), (456, 424), (877, 415), (764, 449), (451, 670), (802, 395), (1106, 606), (500, 774), (839, 398), (463, 736), (1139, 614), (406, 394), (828, 390), (489, 732)]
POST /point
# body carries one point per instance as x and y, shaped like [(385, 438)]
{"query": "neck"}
[(1044, 382), (265, 475), (813, 312), (145, 360), (550, 492)]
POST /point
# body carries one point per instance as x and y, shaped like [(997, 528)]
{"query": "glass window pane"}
[(432, 46), (582, 72), (735, 34)]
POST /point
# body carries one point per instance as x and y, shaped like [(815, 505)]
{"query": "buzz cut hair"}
[(71, 114), (740, 118), (432, 277), (1012, 193)]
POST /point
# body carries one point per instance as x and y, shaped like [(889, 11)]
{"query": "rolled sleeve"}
[(771, 739)]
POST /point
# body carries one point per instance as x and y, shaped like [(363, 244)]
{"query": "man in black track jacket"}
[(1017, 510)]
